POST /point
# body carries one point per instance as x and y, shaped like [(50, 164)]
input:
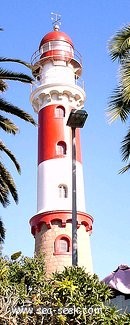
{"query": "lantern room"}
[(57, 46)]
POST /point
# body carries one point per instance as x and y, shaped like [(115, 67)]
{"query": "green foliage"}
[(119, 45), (26, 274), (119, 102), (15, 256), (80, 286), (71, 297), (7, 185), (2, 232)]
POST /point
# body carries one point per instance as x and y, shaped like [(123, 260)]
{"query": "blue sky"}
[(90, 24)]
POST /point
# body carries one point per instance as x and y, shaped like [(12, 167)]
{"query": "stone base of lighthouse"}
[(53, 237)]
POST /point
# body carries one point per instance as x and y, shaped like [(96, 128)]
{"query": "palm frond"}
[(4, 193), (7, 125), (125, 79), (119, 45), (9, 75), (124, 169), (10, 108), (2, 232), (26, 64), (3, 85), (7, 185), (7, 181), (117, 107), (10, 155), (125, 148)]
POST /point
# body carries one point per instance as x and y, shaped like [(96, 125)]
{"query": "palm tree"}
[(7, 185), (119, 102)]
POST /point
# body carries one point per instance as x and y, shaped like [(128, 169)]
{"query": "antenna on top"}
[(56, 18)]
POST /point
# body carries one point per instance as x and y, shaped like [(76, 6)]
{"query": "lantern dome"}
[(56, 36)]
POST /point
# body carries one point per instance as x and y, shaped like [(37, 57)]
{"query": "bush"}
[(71, 297)]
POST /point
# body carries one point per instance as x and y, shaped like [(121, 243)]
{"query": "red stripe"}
[(52, 130)]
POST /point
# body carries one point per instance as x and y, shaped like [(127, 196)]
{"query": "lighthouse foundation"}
[(53, 233)]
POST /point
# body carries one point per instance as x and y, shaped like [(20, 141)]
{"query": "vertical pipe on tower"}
[(74, 205)]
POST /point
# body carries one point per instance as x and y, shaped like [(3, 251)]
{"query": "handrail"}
[(38, 83), (37, 57)]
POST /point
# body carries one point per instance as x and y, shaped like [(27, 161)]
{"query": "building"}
[(119, 282), (58, 90)]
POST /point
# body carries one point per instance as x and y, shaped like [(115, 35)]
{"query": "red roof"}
[(56, 36)]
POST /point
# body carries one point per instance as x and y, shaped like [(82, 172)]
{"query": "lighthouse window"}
[(63, 191), (62, 245), (61, 45), (57, 45), (59, 112), (61, 148), (44, 48)]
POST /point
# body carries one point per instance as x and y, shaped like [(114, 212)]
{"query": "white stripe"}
[(52, 173)]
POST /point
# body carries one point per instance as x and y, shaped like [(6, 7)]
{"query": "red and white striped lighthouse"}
[(57, 90)]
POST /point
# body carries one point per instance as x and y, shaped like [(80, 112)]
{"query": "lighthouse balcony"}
[(38, 59), (38, 82)]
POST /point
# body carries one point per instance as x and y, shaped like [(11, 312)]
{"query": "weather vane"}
[(56, 20)]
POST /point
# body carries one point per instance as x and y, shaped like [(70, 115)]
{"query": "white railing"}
[(37, 57), (38, 83)]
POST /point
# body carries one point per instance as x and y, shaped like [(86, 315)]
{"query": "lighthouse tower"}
[(57, 90)]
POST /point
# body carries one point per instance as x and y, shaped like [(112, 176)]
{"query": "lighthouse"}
[(56, 92)]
